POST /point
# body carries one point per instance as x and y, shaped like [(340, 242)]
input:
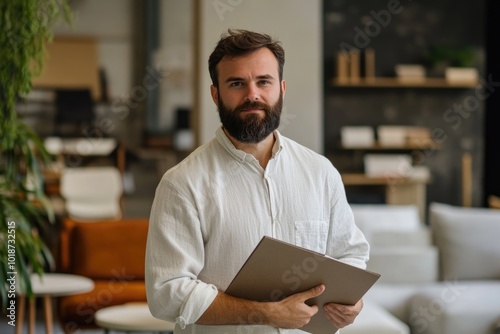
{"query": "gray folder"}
[(277, 269)]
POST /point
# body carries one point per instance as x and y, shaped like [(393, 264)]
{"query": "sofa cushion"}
[(404, 264), (373, 218), (394, 298), (420, 237), (467, 239), (103, 250), (456, 307)]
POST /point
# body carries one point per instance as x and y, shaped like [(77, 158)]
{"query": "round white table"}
[(49, 286), (131, 317)]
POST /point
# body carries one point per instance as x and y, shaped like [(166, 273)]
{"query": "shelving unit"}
[(401, 190), (373, 95)]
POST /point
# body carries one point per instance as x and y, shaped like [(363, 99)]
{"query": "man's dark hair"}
[(237, 43)]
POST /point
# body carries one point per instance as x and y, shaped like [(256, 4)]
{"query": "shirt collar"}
[(278, 144), (222, 138)]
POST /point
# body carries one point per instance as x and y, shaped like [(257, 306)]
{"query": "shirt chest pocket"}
[(312, 235)]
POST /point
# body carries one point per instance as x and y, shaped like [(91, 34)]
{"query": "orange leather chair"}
[(112, 254)]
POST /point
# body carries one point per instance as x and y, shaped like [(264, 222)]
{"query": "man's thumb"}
[(314, 292)]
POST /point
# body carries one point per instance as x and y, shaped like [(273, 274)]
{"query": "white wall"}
[(297, 23)]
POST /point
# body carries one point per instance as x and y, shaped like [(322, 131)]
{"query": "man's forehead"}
[(263, 61)]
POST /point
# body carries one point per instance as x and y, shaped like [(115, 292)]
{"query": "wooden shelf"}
[(358, 179), (398, 83), (431, 145)]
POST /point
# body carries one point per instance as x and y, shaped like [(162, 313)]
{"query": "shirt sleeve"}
[(174, 258), (346, 242)]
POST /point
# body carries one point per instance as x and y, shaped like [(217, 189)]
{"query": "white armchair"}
[(92, 193)]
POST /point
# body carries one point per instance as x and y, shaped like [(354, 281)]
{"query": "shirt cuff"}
[(196, 304)]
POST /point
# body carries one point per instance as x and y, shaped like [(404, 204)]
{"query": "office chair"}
[(74, 112)]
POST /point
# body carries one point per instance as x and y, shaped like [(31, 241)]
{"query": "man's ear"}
[(283, 87), (215, 94)]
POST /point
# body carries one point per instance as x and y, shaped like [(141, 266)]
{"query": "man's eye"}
[(265, 82), (236, 84)]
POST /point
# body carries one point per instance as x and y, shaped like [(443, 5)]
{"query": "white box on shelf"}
[(410, 72), (392, 136), (461, 74), (357, 136), (388, 165), (400, 136)]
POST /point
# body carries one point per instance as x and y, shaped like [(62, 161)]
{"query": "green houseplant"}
[(25, 27), (443, 58), (455, 56)]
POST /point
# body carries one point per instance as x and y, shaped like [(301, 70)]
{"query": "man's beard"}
[(251, 128)]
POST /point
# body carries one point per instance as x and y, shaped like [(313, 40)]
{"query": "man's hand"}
[(293, 312), (342, 315)]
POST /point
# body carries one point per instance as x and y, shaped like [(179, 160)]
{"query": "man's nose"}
[(252, 93)]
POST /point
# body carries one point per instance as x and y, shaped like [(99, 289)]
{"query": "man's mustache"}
[(253, 105)]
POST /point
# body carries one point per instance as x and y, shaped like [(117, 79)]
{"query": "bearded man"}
[(213, 208)]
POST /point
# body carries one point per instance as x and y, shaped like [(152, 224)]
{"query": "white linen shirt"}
[(213, 208)]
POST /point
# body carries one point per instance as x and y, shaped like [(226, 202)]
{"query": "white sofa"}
[(440, 278)]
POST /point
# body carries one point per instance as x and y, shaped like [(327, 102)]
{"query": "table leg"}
[(32, 316), (47, 302), (20, 318)]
